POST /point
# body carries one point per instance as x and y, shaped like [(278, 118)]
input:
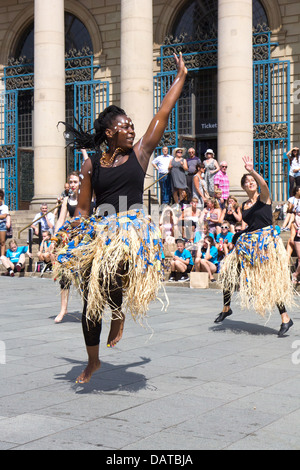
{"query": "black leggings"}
[(227, 300), (91, 328)]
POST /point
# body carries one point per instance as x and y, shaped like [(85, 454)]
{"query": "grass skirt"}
[(258, 268), (99, 250)]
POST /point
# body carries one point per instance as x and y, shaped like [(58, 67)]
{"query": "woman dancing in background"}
[(259, 263), (115, 258)]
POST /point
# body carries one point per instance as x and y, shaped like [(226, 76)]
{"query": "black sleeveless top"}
[(118, 188), (71, 208), (256, 217)]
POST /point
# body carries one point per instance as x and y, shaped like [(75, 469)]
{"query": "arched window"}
[(77, 38), (199, 18)]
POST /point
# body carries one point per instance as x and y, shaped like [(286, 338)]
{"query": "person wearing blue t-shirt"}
[(223, 240), (14, 260), (182, 262), (207, 258)]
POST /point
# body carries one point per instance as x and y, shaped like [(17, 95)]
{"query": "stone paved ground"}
[(190, 385)]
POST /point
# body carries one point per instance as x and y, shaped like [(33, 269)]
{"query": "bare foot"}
[(116, 329), (86, 375), (59, 317)]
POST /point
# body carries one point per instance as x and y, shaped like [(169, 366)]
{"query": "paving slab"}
[(180, 383)]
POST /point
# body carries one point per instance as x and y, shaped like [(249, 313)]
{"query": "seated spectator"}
[(14, 260), (9, 229), (293, 203), (232, 212), (182, 262), (238, 227), (207, 258), (44, 253), (202, 232), (219, 199), (212, 215), (188, 220), (223, 240), (185, 199), (4, 212), (168, 225), (47, 220)]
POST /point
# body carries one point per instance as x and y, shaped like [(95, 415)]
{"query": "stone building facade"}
[(66, 59)]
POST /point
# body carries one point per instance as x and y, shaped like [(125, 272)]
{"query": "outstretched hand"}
[(180, 63), (248, 163)]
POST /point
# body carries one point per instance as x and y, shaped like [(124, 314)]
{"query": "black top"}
[(118, 188), (256, 217), (71, 208)]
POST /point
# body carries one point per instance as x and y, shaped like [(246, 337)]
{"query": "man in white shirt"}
[(161, 164), (47, 221)]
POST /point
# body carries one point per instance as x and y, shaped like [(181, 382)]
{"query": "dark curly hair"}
[(80, 139), (104, 121)]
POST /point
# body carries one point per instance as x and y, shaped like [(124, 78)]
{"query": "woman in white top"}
[(294, 174)]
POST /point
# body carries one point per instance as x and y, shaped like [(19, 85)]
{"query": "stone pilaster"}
[(137, 64), (235, 100), (49, 100)]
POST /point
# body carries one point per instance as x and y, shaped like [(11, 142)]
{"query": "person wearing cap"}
[(221, 180), (178, 167), (211, 168), (161, 164)]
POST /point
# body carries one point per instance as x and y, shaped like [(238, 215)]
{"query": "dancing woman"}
[(258, 264), (68, 208), (115, 258)]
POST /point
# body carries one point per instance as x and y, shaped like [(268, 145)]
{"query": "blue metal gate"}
[(9, 147), (271, 124), (89, 97), (271, 103)]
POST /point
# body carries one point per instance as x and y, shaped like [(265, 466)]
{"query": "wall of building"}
[(105, 16)]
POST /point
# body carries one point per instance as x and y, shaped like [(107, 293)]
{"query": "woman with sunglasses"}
[(258, 264)]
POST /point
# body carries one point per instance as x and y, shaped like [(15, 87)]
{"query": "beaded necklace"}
[(111, 161)]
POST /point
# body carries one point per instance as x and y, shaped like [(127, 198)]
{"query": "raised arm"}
[(264, 189), (146, 145)]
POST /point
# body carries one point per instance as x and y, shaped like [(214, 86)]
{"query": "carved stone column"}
[(137, 64), (235, 91), (49, 100)]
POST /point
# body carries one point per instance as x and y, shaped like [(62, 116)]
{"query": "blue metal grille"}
[(9, 147), (271, 124), (89, 97), (271, 102)]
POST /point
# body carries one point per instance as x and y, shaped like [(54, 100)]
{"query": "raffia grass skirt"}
[(100, 250), (258, 268)]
